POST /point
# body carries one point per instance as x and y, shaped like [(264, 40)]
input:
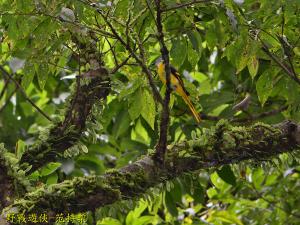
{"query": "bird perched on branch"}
[(177, 85)]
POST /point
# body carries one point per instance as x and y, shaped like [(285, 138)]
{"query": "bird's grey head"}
[(158, 61)]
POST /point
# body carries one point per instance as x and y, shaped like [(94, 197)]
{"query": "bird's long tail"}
[(191, 106)]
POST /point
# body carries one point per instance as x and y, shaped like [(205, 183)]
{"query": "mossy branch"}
[(65, 134), (12, 178), (220, 145), (92, 86)]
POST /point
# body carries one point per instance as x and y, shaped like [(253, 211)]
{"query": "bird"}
[(176, 84)]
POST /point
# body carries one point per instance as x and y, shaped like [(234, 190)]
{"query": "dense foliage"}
[(239, 61)]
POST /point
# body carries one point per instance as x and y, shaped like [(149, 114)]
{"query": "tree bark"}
[(220, 145)]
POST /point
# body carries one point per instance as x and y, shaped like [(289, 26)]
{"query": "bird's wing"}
[(177, 75)]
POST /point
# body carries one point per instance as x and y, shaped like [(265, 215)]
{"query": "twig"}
[(4, 89), (24, 93), (261, 115), (184, 5), (290, 71), (8, 99), (112, 47), (117, 67), (79, 25), (279, 63), (149, 76), (145, 69), (152, 14)]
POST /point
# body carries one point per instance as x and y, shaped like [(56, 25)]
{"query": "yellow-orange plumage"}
[(177, 85)]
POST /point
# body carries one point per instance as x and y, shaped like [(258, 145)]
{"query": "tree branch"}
[(9, 76), (260, 141), (260, 115), (281, 64), (165, 116), (6, 83), (178, 6), (8, 99), (66, 133)]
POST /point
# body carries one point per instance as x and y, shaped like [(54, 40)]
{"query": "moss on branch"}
[(220, 145)]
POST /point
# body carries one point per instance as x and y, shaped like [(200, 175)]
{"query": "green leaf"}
[(178, 52), (140, 133), (170, 204), (130, 88), (264, 85), (120, 8), (219, 183), (253, 65), (20, 148), (195, 39), (242, 60), (176, 192), (258, 177), (122, 124), (49, 168), (28, 76), (224, 216), (227, 175), (52, 179), (193, 56), (136, 213), (136, 104), (42, 75), (148, 109), (144, 220), (110, 221), (198, 194), (90, 162)]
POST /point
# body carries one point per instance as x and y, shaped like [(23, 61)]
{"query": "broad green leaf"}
[(211, 192), (198, 193), (264, 85), (42, 75), (136, 104), (52, 179), (196, 40), (243, 58), (142, 205), (49, 169), (219, 182), (178, 52), (224, 216), (121, 8), (130, 88), (148, 110), (109, 221), (90, 162), (193, 56), (227, 175), (28, 77), (253, 65), (136, 213), (139, 133), (145, 220), (257, 177), (170, 204), (176, 192), (122, 124), (20, 148)]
